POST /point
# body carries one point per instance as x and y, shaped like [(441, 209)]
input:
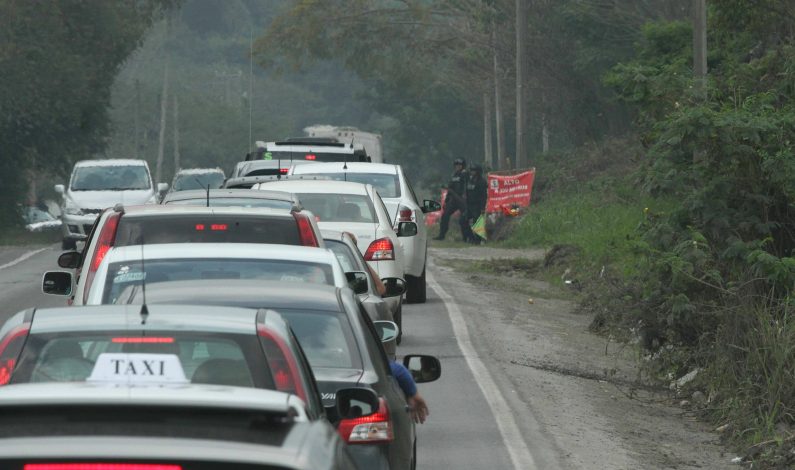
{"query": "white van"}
[(98, 184)]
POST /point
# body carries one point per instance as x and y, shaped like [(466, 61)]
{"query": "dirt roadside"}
[(577, 385)]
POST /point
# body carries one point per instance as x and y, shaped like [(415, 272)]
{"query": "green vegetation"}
[(57, 62)]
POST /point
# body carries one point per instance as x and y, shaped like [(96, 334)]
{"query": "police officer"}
[(476, 194), (456, 191)]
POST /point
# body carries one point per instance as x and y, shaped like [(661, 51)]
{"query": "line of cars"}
[(226, 328)]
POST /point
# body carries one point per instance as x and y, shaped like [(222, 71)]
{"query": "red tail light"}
[(200, 227), (369, 429), (311, 157), (10, 347), (219, 227), (283, 170), (143, 339), (405, 214), (101, 466), (105, 241), (305, 231), (380, 250), (282, 363)]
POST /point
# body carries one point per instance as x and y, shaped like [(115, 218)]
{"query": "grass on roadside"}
[(19, 236)]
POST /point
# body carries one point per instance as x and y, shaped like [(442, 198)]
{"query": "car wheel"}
[(399, 322), (67, 244), (416, 289)]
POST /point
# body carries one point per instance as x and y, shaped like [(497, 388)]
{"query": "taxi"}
[(176, 345)]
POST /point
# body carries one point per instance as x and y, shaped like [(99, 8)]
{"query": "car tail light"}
[(100, 466), (405, 214), (305, 230), (143, 339), (283, 170), (370, 429), (10, 347), (380, 250), (311, 157), (282, 363), (105, 241)]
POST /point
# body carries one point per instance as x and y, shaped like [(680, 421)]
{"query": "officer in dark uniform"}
[(456, 191), (476, 194)]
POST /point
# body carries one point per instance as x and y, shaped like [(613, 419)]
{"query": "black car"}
[(343, 348)]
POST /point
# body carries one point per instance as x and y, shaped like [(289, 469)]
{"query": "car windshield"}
[(326, 338), (207, 228), (124, 279), (110, 178), (195, 357), (186, 181), (339, 207), (386, 185), (235, 202)]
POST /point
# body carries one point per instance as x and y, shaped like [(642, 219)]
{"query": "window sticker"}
[(138, 368)]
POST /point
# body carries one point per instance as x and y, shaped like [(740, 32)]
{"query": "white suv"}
[(98, 184), (402, 205)]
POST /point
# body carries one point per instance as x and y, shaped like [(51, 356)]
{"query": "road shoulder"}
[(577, 386)]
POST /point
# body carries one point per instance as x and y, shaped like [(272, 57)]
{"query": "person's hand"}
[(418, 408)]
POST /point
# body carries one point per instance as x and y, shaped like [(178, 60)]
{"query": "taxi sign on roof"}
[(138, 368)]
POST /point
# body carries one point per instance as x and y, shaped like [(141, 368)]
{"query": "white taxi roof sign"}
[(138, 368)]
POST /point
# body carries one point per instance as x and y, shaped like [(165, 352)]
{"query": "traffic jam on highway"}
[(240, 322)]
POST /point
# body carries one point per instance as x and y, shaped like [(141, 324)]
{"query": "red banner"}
[(507, 191)]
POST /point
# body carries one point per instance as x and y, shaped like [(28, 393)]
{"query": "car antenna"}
[(144, 309), (208, 194)]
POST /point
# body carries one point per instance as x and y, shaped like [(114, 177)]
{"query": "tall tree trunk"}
[(487, 143), (162, 138), (176, 134), (544, 125), (501, 163), (521, 73), (136, 141)]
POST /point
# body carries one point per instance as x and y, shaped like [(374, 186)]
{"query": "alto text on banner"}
[(510, 190)]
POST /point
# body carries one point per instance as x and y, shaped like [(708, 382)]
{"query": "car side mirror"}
[(430, 206), (357, 281), (162, 187), (395, 286), (423, 368), (69, 260), (387, 330), (57, 283), (59, 188), (407, 229), (356, 402)]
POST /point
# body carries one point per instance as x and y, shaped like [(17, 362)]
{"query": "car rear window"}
[(386, 185), (206, 358), (207, 228), (235, 202), (188, 181), (339, 207), (124, 279), (314, 156), (325, 337)]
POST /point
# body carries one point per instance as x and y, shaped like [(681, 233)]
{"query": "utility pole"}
[(487, 144), (250, 85), (176, 134), (700, 43), (136, 142), (162, 138), (521, 73), (498, 124)]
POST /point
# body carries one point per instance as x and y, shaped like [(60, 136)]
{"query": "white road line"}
[(511, 436), (22, 258)]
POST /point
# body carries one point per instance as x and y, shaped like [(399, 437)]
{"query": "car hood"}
[(103, 199), (330, 380)]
